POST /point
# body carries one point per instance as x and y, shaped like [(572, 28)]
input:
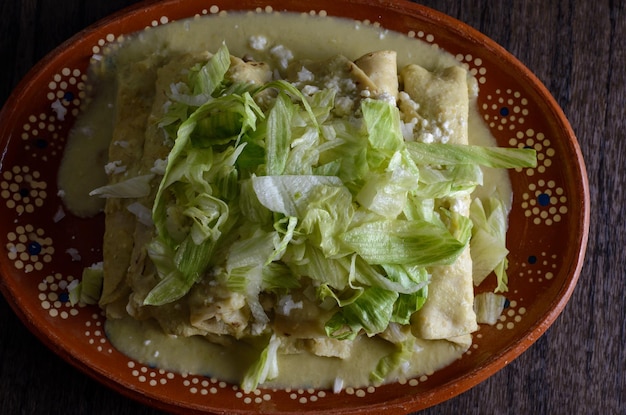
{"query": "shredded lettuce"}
[(393, 361), (87, 290), (279, 135), (382, 121), (408, 242), (488, 243), (191, 209), (451, 154), (488, 307), (265, 368), (291, 195), (135, 187), (267, 188), (370, 312)]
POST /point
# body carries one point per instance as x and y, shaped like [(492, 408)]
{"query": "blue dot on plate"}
[(41, 143), (64, 297), (34, 248), (504, 111), (543, 199), (532, 259), (24, 192), (69, 96)]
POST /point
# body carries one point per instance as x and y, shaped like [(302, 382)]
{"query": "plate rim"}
[(450, 388)]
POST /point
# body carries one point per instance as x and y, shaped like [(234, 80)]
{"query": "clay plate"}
[(42, 252)]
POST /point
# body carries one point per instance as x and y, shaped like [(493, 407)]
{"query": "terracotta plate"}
[(42, 251)]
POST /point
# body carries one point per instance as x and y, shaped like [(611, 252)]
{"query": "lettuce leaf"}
[(408, 242), (135, 187), (370, 312), (451, 154), (488, 244), (265, 368)]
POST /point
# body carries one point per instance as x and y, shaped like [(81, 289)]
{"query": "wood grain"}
[(577, 48)]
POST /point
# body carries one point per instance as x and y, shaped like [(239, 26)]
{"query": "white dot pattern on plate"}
[(544, 203), (54, 297), (539, 268), (307, 395), (95, 334), (29, 248), (474, 65), (511, 315), (24, 190), (43, 133), (256, 396), (149, 376), (506, 110), (538, 141)]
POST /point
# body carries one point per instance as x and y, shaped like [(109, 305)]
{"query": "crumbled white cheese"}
[(341, 85), (446, 126), (428, 138), (385, 96), (60, 214), (159, 167), (407, 129), (258, 42), (143, 214), (120, 143), (283, 55), (310, 90), (406, 103), (114, 167), (257, 328), (59, 109), (286, 304), (343, 105), (304, 75), (73, 252), (98, 266)]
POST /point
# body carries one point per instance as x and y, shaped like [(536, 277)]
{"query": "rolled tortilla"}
[(443, 100), (443, 97), (135, 92), (330, 72), (253, 72), (382, 69)]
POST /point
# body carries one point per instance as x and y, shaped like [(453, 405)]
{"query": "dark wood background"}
[(578, 49)]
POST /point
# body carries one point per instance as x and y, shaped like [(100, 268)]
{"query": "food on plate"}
[(289, 219)]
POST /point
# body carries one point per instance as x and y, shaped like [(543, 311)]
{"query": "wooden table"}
[(578, 49)]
